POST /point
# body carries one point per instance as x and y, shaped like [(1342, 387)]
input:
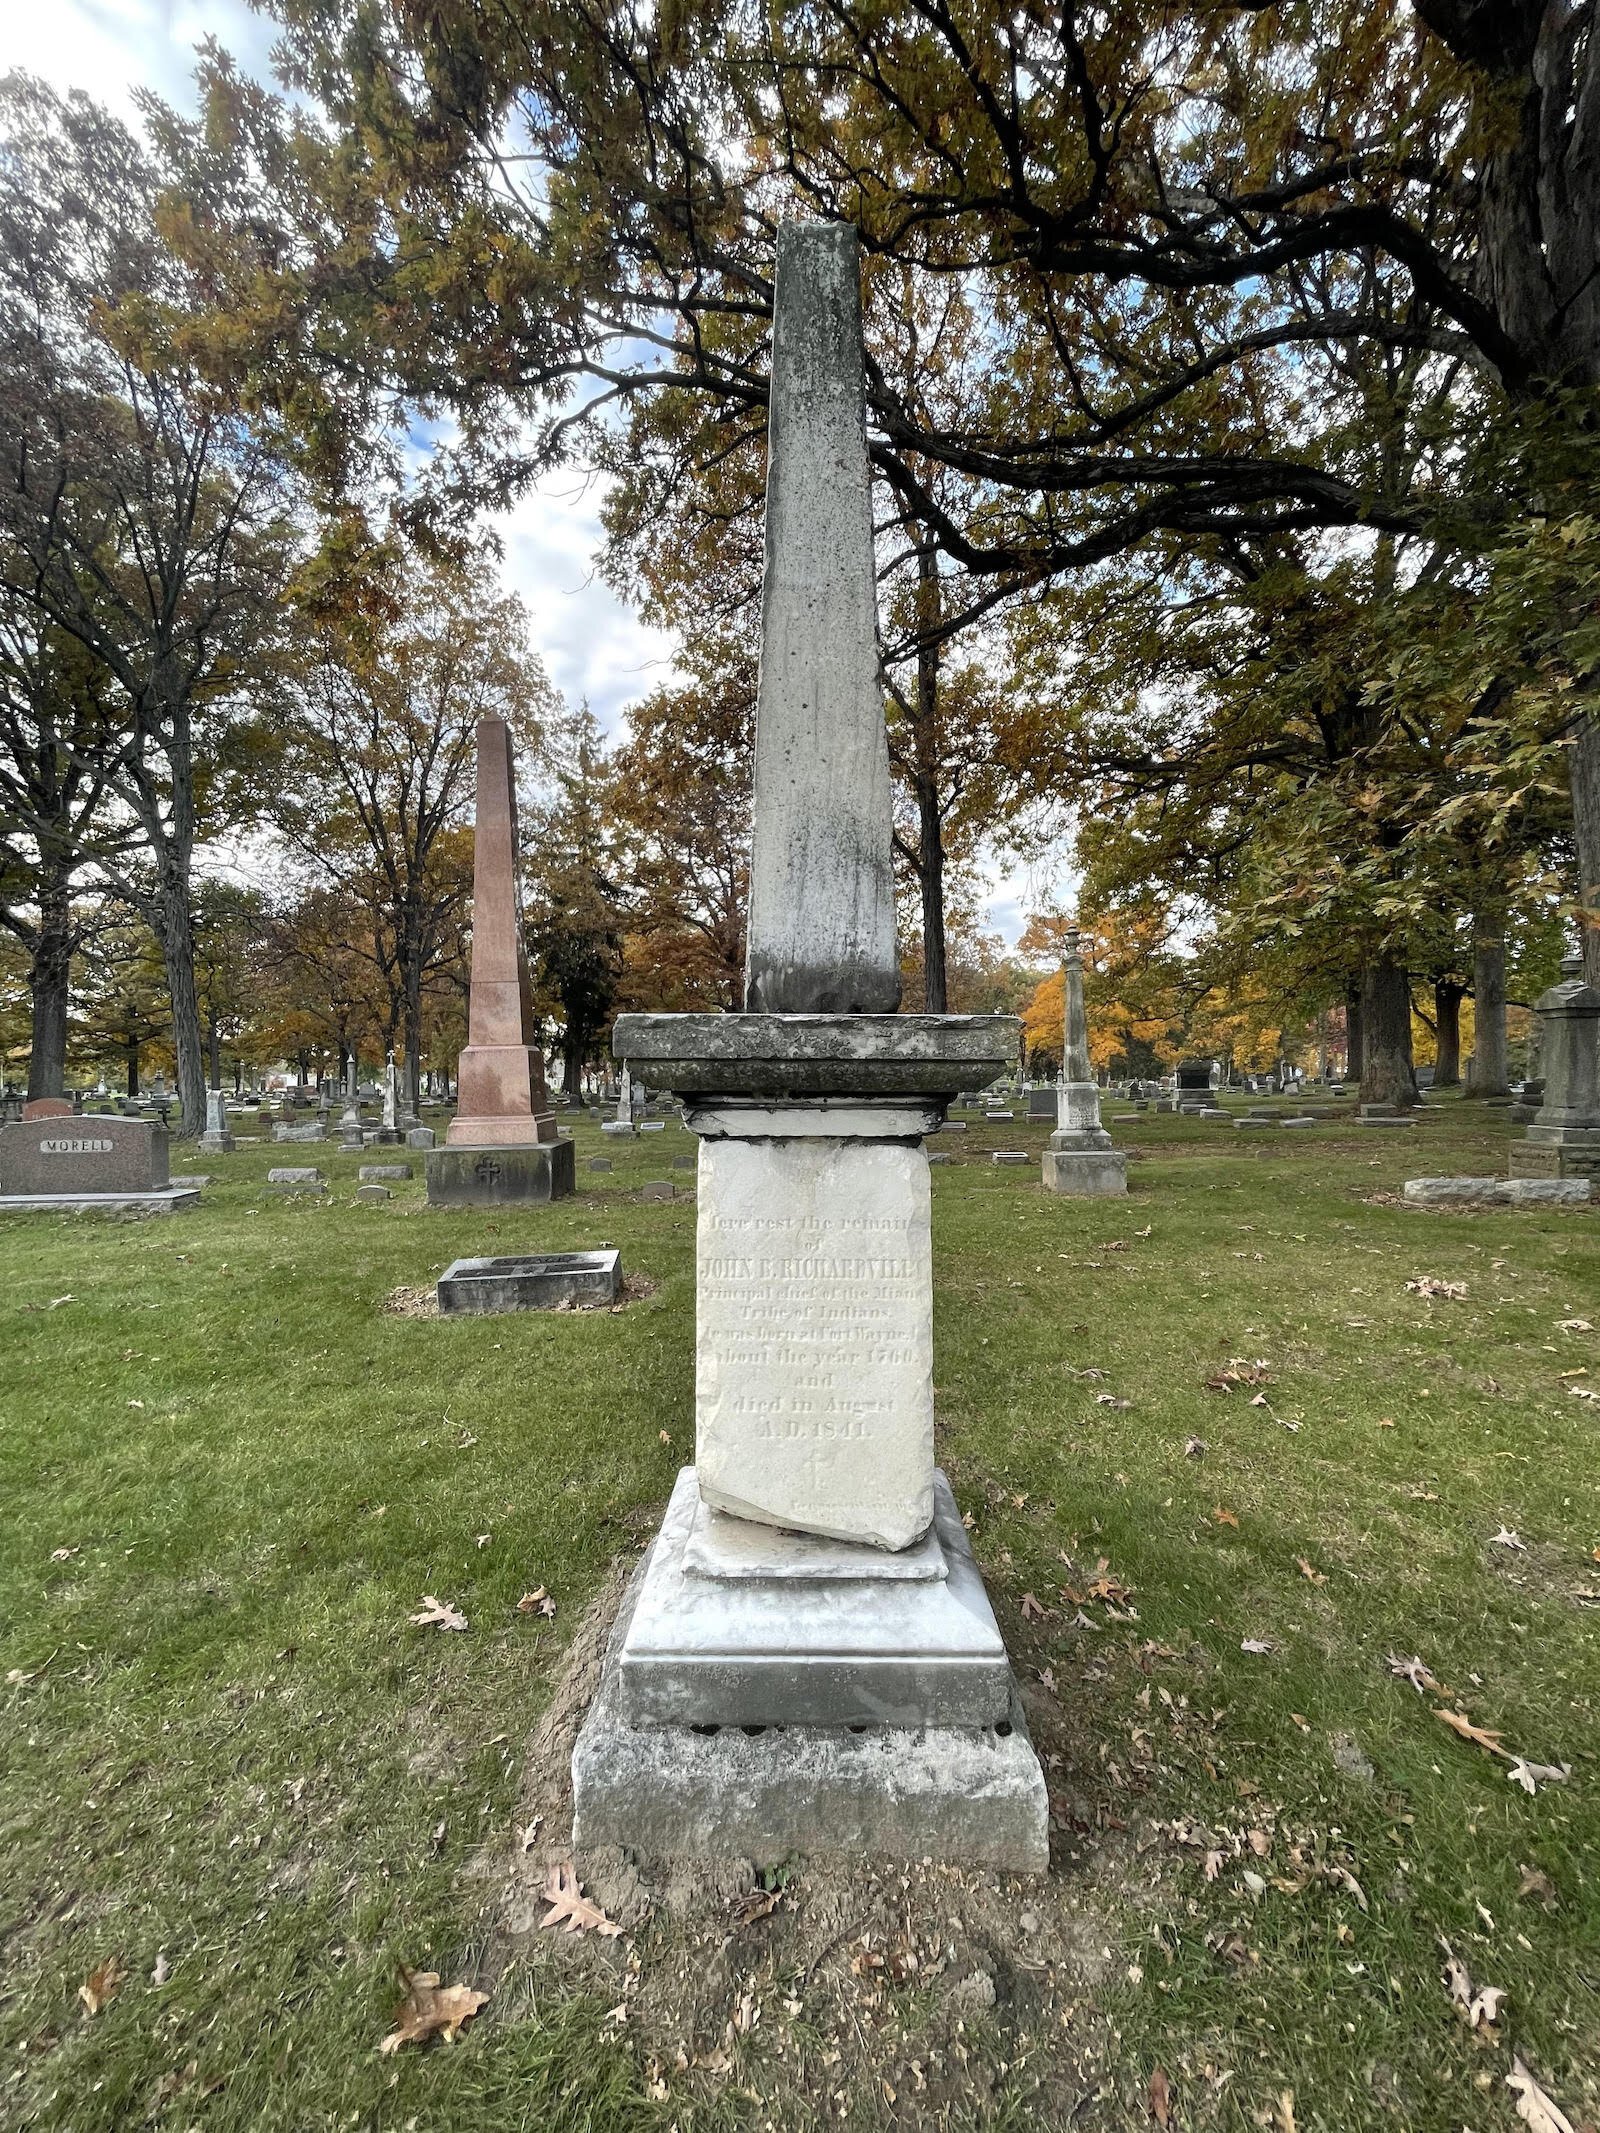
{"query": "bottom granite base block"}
[(971, 1796), (1086, 1174), (500, 1177), (1551, 1159), (164, 1202)]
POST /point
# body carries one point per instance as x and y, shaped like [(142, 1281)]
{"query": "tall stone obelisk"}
[(812, 1579), (821, 936), (502, 1143), (1079, 1160)]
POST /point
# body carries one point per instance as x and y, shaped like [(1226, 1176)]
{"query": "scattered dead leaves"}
[(437, 1614), (537, 1602), (429, 2010), (1432, 1287), (569, 1906), (1530, 1776), (1239, 1370), (411, 1303)]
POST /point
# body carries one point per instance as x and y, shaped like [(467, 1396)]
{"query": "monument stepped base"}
[(703, 1647), (1549, 1159), (500, 1177), (971, 1796), (100, 1203)]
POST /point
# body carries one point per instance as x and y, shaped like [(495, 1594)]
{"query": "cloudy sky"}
[(593, 646)]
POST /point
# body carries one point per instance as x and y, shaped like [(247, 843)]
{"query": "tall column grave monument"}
[(807, 1660)]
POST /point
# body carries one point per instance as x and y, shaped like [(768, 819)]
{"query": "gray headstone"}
[(83, 1155), (659, 1189), (822, 912), (376, 1173), (419, 1136), (600, 1162), (371, 1195), (296, 1179)]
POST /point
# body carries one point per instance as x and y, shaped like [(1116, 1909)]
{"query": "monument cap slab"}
[(532, 1281)]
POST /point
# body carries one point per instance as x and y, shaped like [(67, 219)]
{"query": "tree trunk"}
[(1488, 1073), (412, 1077), (176, 932), (925, 780), (1354, 1049), (1386, 1070), (1447, 997), (131, 1049), (572, 1057), (1585, 773), (49, 976)]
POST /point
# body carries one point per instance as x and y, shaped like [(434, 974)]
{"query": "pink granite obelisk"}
[(502, 1101)]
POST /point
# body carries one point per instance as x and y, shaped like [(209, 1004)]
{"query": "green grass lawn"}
[(229, 1763)]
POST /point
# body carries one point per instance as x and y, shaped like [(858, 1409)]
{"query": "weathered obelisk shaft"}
[(1077, 1098), (502, 1099), (822, 922), (1075, 1023)]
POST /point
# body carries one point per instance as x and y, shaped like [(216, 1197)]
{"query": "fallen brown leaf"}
[(1317, 1577), (1430, 1285), (102, 1985), (436, 1614), (1537, 1883), (1031, 1610), (1530, 1776), (427, 2011), (1412, 1670), (1459, 1722), (1534, 2107), (1160, 2098), (537, 1602), (1478, 2006), (570, 1907), (1225, 1518), (758, 1903)]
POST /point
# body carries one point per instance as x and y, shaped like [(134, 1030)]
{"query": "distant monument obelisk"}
[(808, 1660), (502, 1143), (1079, 1160)]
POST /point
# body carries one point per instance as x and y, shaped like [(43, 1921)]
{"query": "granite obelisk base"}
[(972, 1795), (500, 1177)]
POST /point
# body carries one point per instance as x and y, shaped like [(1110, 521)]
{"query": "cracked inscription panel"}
[(814, 1337)]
